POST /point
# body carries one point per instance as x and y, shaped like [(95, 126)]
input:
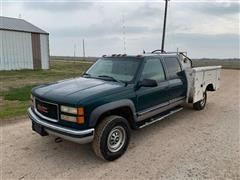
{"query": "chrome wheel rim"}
[(116, 139), (203, 101)]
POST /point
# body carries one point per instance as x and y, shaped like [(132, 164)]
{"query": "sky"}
[(205, 29)]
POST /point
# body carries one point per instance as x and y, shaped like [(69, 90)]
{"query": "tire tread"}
[(197, 106), (98, 134)]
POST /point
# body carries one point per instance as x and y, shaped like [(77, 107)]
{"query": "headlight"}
[(32, 100), (73, 114), (67, 109), (79, 120), (68, 118)]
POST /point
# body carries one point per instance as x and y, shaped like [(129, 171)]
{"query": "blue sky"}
[(202, 28)]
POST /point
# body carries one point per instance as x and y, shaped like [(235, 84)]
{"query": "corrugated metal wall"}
[(16, 50), (1, 50), (44, 51)]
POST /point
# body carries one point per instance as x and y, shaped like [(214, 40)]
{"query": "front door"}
[(150, 99)]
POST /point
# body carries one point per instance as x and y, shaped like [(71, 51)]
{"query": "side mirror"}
[(147, 83)]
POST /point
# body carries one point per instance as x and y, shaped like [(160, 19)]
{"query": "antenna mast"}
[(124, 34), (164, 25)]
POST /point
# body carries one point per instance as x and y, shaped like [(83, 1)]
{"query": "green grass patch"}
[(15, 86), (19, 94), (14, 109)]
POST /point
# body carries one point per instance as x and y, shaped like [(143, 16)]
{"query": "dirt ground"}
[(188, 145)]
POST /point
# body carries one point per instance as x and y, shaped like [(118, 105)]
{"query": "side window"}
[(173, 66), (153, 69)]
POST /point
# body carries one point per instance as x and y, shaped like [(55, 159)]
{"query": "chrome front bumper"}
[(78, 136)]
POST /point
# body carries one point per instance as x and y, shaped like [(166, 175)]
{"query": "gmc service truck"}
[(119, 93)]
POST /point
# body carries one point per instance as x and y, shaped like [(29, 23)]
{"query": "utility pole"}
[(74, 53), (164, 25), (74, 50), (83, 46)]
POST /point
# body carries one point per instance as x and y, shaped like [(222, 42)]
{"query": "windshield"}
[(119, 69)]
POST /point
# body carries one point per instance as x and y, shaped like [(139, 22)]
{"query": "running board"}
[(153, 120)]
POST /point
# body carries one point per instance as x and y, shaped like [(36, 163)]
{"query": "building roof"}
[(14, 24)]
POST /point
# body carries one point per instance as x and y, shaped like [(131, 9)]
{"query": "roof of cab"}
[(140, 56)]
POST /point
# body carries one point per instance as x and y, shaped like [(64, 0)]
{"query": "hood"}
[(71, 91)]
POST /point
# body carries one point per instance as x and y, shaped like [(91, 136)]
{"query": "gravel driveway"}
[(188, 145)]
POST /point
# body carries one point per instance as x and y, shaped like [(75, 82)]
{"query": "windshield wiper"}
[(110, 77)]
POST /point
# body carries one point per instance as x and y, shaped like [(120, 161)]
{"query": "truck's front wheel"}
[(202, 103), (111, 138)]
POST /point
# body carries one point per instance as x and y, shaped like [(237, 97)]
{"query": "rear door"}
[(150, 99), (177, 88)]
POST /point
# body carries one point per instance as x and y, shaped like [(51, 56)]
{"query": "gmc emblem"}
[(42, 109)]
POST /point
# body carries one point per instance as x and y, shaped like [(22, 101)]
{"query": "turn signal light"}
[(80, 119), (80, 111), (80, 114)]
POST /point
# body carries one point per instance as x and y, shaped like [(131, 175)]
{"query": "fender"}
[(97, 112)]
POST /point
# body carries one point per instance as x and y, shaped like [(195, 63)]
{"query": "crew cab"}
[(119, 93)]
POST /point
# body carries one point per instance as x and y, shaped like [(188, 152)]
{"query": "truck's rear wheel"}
[(202, 103), (111, 138)]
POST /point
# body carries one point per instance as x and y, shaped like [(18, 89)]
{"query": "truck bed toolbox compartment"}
[(199, 79)]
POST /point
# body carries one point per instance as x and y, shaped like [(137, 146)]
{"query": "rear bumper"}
[(78, 136)]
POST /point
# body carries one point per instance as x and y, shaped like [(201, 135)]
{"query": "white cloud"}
[(202, 28)]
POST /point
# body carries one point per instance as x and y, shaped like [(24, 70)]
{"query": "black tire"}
[(200, 105), (105, 137)]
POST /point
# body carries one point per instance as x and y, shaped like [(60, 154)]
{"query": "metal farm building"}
[(22, 45)]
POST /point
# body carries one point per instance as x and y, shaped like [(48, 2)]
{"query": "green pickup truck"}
[(116, 94)]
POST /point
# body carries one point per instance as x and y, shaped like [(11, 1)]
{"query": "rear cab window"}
[(173, 67), (153, 70)]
